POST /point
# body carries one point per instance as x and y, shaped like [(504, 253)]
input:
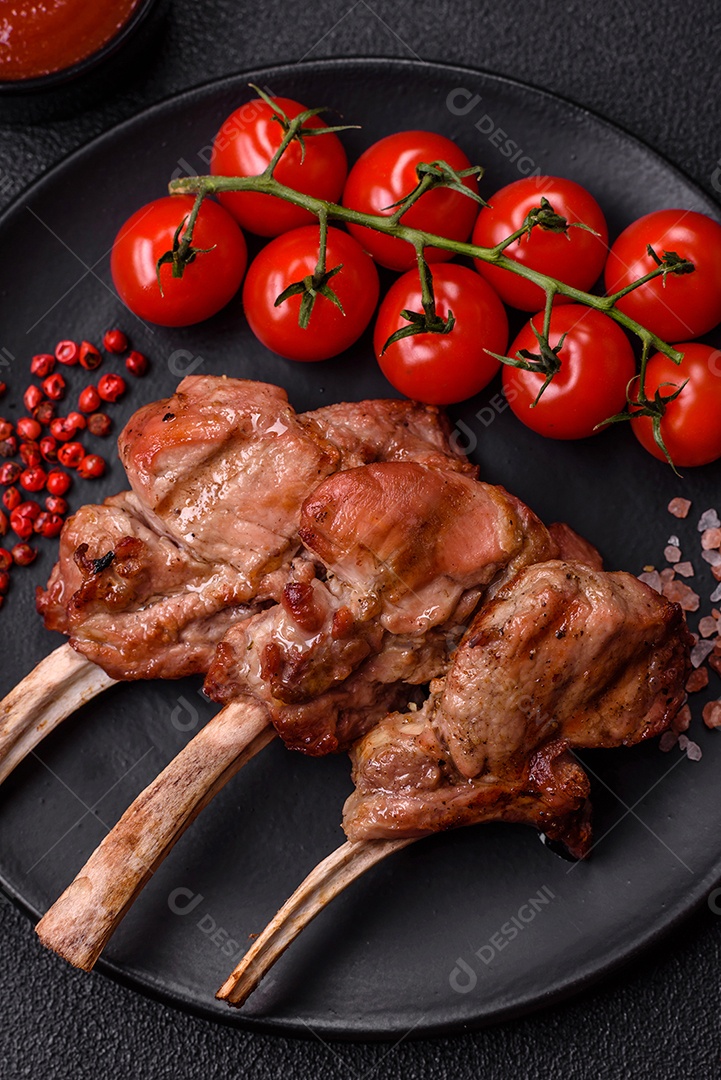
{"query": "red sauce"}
[(38, 37)]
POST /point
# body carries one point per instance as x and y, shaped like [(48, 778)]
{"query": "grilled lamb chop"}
[(149, 582), (564, 656)]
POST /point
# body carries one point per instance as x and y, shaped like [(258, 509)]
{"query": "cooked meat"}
[(405, 550), (574, 548), (564, 656), (148, 583), (134, 602), (391, 430)]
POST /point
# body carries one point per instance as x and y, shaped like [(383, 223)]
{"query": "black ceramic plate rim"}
[(592, 971)]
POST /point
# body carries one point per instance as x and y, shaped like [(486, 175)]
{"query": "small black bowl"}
[(61, 93)]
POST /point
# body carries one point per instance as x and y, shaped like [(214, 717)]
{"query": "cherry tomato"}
[(597, 364), (442, 368), (245, 145), (290, 258), (688, 305), (386, 173), (208, 282), (575, 258), (691, 425)]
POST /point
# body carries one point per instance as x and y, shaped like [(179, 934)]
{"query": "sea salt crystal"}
[(653, 579), (679, 507), (667, 574), (700, 651), (682, 720), (672, 553), (711, 538), (681, 594), (685, 569), (682, 742), (693, 751), (708, 520), (708, 626), (697, 680), (716, 594), (674, 540), (713, 558), (712, 714)]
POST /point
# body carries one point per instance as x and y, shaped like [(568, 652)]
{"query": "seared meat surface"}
[(407, 553), (147, 584), (564, 656)]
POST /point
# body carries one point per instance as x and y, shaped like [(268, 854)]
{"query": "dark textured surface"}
[(661, 1017)]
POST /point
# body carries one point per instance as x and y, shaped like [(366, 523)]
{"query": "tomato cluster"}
[(310, 302)]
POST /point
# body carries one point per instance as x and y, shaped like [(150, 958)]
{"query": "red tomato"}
[(245, 145), (290, 258), (688, 305), (691, 425), (597, 364), (386, 173), (208, 282), (575, 258), (442, 368)]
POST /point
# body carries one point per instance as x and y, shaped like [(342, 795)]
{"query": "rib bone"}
[(59, 685), (329, 878), (82, 920)]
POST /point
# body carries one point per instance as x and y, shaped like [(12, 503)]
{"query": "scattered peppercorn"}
[(56, 505), (63, 429), (4, 582), (45, 413), (23, 554), (67, 352), (89, 356), (42, 365), (6, 429), (58, 482), (8, 447), (33, 479), (115, 341), (91, 467), (28, 428), (6, 559), (32, 397), (3, 523), (99, 424), (77, 420), (137, 364), (71, 454), (89, 399), (30, 454), (111, 387), (49, 448), (55, 386), (9, 472), (11, 498)]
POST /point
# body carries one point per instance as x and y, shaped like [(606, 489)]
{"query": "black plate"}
[(453, 911)]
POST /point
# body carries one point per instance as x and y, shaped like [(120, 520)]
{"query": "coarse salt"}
[(713, 558), (712, 714), (700, 651), (708, 520), (679, 507), (653, 579), (693, 751), (672, 553), (697, 680), (668, 741), (711, 538), (716, 594), (681, 594), (707, 626), (685, 569)]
